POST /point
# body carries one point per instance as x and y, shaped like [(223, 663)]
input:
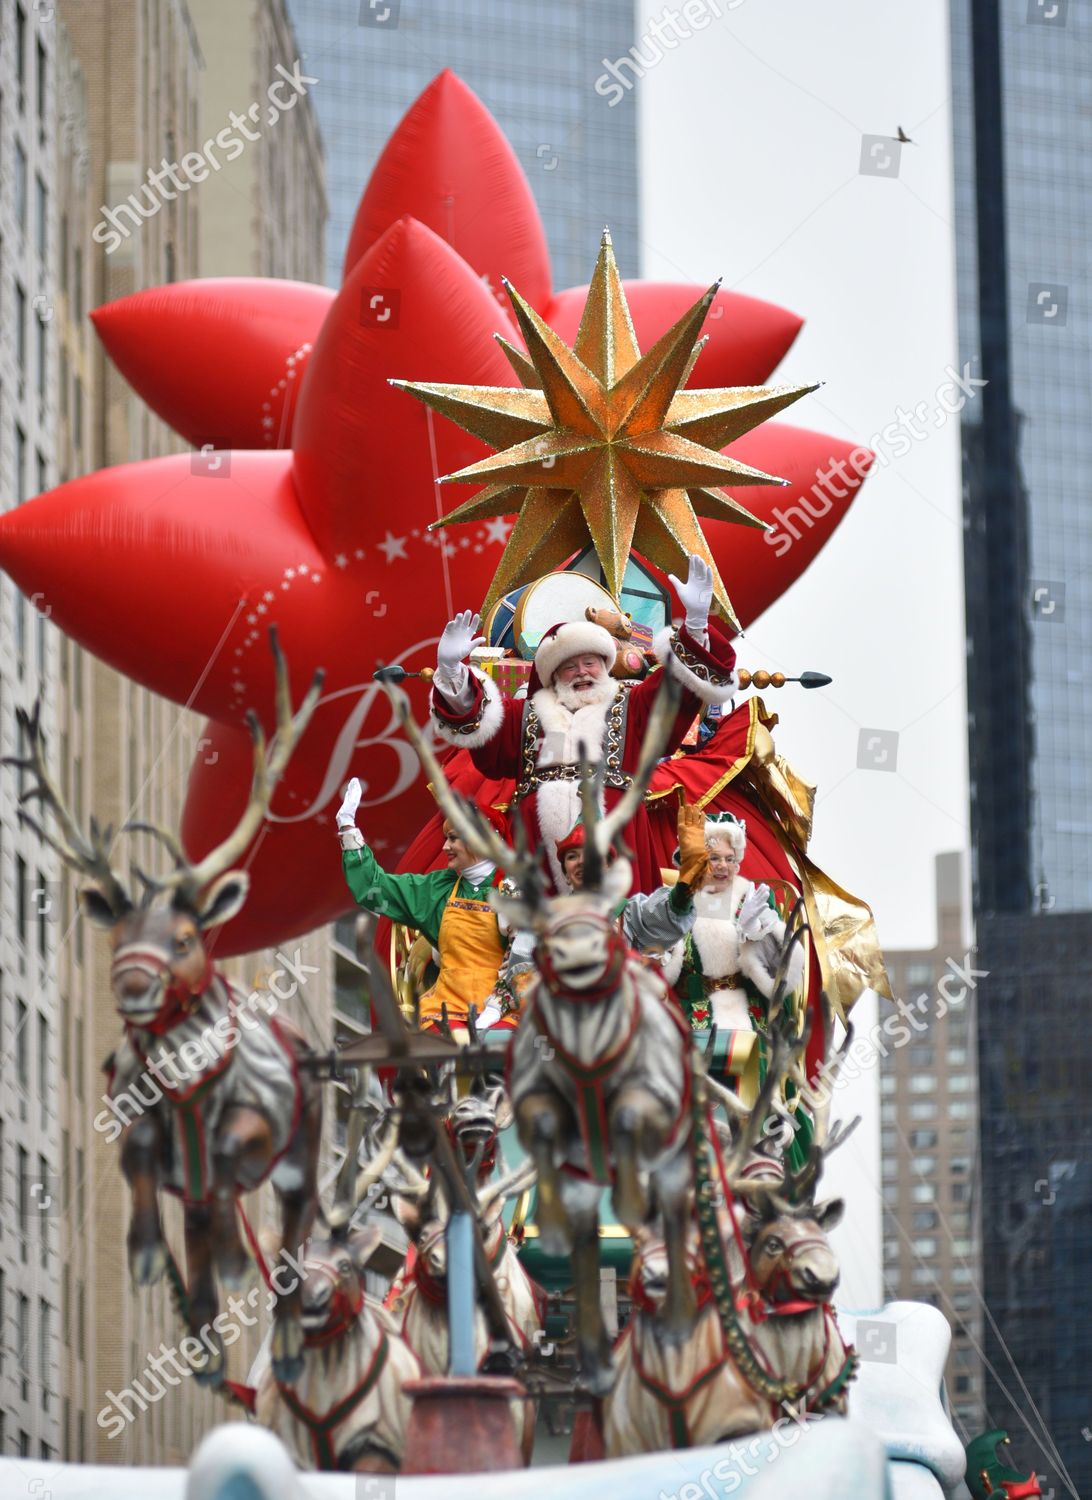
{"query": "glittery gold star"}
[(602, 444)]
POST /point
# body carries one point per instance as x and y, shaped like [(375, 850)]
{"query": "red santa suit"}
[(537, 743)]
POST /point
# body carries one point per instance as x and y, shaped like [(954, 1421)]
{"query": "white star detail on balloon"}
[(392, 547)]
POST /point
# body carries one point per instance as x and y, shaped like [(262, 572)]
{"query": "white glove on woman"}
[(458, 640), (350, 835), (756, 916), (488, 1017), (695, 595)]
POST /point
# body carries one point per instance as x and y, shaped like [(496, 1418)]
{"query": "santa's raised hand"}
[(458, 640), (695, 595)]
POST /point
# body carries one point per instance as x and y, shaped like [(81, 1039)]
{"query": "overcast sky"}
[(751, 145)]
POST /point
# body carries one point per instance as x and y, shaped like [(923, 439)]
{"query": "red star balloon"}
[(172, 569)]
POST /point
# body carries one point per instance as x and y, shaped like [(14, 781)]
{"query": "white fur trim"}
[(575, 638), (708, 692), (489, 720), (671, 967)]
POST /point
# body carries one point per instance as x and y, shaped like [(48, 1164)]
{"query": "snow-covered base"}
[(827, 1460)]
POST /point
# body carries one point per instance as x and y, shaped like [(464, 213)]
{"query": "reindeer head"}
[(159, 954), (332, 1294), (790, 1255), (473, 1123)]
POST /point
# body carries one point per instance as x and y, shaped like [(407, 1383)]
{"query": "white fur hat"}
[(572, 638)]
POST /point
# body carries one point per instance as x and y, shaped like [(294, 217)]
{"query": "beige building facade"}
[(145, 70), (929, 1134)]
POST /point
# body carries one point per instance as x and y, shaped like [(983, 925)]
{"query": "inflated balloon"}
[(449, 164), (170, 570), (360, 446), (220, 360)]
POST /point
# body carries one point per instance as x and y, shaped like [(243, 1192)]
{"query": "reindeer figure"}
[(348, 1408), (600, 1065), (418, 1296), (234, 1110), (670, 1395)]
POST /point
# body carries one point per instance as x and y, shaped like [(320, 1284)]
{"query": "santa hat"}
[(574, 839), (572, 638)]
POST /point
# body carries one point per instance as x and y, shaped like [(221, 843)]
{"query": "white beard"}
[(573, 698), (567, 720)]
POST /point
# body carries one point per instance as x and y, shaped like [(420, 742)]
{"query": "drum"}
[(498, 627), (550, 600)]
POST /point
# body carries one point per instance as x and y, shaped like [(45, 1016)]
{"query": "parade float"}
[(609, 989)]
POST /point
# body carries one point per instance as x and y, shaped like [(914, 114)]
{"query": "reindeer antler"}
[(512, 1183), (476, 832), (269, 763), (88, 856), (785, 1048)]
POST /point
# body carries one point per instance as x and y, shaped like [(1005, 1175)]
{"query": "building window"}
[(42, 76), (21, 903), (20, 186), (925, 1247), (919, 976), (22, 1069), (891, 1249), (23, 1313), (922, 1083), (888, 1111), (957, 1056), (888, 1083), (41, 350), (21, 51), (891, 1192), (923, 1218), (925, 1165), (923, 1276), (959, 1083), (42, 216), (923, 1109), (961, 1275), (922, 1139), (20, 496), (923, 1192), (43, 1349), (959, 1109), (889, 1142), (77, 285), (921, 1057)]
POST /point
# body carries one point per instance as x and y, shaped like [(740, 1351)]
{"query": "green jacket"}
[(416, 901)]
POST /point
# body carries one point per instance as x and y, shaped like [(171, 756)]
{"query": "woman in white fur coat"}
[(725, 969)]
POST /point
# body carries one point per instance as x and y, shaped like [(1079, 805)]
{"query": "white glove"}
[(346, 813), (488, 1017), (458, 640), (756, 916), (695, 595)]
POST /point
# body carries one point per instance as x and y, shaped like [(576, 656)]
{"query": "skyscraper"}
[(1023, 211), (534, 67)]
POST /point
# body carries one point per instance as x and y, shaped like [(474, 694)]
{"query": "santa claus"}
[(573, 702)]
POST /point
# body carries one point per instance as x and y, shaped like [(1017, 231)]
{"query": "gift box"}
[(510, 673)]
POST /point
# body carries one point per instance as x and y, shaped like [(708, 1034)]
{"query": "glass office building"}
[(533, 66), (1022, 96)]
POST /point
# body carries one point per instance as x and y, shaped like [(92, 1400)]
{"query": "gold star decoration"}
[(602, 444)]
